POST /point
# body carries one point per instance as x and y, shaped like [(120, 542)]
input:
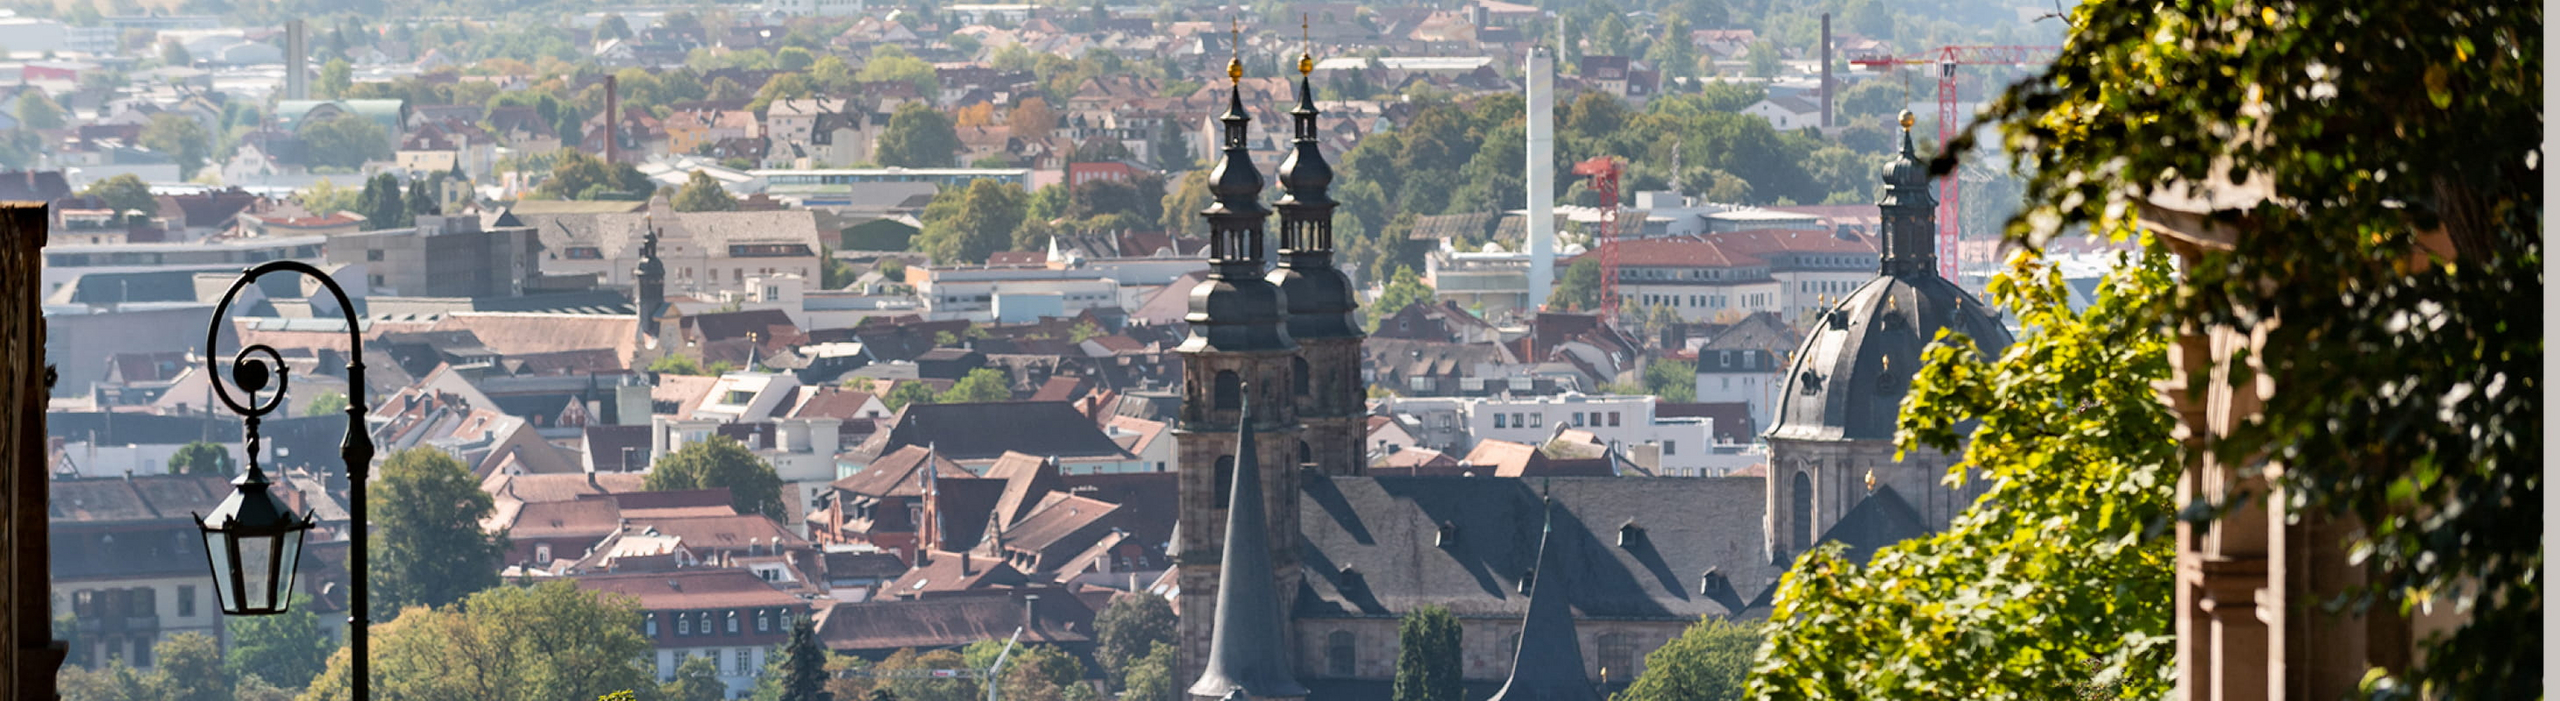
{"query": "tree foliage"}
[(1429, 665), (38, 111), (965, 225), (427, 548), (576, 175), (980, 385), (1150, 677), (721, 462), (1404, 290), (703, 194), (929, 689), (125, 192), (344, 141), (908, 392), (1129, 628), (1708, 662), (288, 649), (184, 139), (202, 458), (2401, 252), (918, 136), (2057, 583), (531, 643)]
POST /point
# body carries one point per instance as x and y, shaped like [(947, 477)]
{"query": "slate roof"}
[(953, 620), (894, 475), (110, 500), (959, 431), (1385, 529), (1879, 519), (1732, 419)]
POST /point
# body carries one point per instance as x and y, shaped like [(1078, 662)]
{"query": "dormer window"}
[(1629, 534), (1448, 535)]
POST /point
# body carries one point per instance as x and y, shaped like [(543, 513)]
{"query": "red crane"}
[(1947, 58), (1605, 172)]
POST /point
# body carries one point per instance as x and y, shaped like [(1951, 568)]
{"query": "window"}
[(186, 600), (738, 661), (649, 624), (373, 254), (1229, 392), (1498, 422), (1802, 499), (1340, 653), (142, 653), (146, 602), (1617, 656), (1226, 479), (1537, 420), (1671, 447), (733, 622), (1298, 375), (684, 624), (1613, 418), (542, 553)]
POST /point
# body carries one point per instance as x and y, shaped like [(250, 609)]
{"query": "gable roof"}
[(959, 430)]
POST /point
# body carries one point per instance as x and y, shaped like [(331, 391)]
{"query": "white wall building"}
[(1013, 294), (1455, 425)]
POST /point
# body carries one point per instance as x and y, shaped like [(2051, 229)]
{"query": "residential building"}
[(731, 616), (442, 257), (129, 562), (704, 254)]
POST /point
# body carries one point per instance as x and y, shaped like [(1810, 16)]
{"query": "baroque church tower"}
[(1831, 447), (1325, 377), (1239, 342)]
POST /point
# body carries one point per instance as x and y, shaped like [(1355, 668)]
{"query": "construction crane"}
[(1605, 173), (1947, 58)]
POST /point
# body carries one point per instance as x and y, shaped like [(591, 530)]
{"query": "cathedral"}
[(1292, 567)]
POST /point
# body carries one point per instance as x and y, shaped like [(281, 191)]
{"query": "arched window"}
[(1341, 653), (1306, 455), (1617, 657), (684, 624), (1803, 506), (1226, 481), (1298, 375), (1228, 393)]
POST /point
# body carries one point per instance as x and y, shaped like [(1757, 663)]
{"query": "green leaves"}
[(2061, 574), (720, 462)]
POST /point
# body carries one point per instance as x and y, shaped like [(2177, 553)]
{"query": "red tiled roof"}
[(691, 589)]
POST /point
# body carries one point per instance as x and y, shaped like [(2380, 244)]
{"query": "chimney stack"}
[(612, 103), (297, 53), (1542, 178), (1826, 70)]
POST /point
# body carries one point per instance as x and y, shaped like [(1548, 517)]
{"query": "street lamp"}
[(252, 542)]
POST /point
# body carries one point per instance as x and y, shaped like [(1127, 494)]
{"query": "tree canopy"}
[(1708, 662), (918, 136), (540, 642), (965, 224), (124, 192), (202, 458), (1129, 628), (427, 548), (701, 193), (721, 462), (1429, 663), (288, 649)]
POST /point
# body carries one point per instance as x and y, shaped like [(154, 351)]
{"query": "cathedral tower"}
[(1325, 375), (1247, 646), (1239, 342), (1832, 443)]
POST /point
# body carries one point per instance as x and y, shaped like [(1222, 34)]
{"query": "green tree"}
[(1150, 678), (1181, 210), (175, 54), (613, 27), (918, 136), (2080, 559), (1130, 627), (288, 649), (967, 224), (202, 458), (335, 77), (929, 689), (188, 667), (888, 62), (550, 640), (324, 198), (980, 385), (2392, 312), (37, 111), (1428, 663), (382, 204), (1404, 290), (697, 679), (1579, 289), (909, 392), (1672, 53), (422, 199), (1764, 59), (703, 194), (124, 192), (428, 549), (578, 175), (113, 681), (676, 365), (1708, 661), (833, 272), (717, 462), (1039, 673), (344, 141)]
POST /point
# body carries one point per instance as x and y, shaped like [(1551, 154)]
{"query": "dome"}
[(1234, 314), (1320, 299), (1305, 174), (1849, 375), (1236, 180)]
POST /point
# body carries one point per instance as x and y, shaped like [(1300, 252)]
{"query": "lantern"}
[(252, 541)]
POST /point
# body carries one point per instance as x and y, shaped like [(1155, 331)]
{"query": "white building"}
[(815, 8), (742, 405), (1454, 425), (1750, 377), (1720, 277), (1010, 295), (1787, 112)]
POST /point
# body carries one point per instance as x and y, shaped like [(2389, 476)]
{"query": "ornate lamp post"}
[(252, 543)]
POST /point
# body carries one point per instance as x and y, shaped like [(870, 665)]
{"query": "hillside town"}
[(1051, 350)]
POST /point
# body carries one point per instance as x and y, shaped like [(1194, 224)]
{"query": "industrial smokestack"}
[(1542, 175), (1826, 70), (297, 53), (612, 103)]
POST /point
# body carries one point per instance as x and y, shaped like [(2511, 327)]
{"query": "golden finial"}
[(1307, 59), (1871, 479), (1908, 118), (1235, 48)]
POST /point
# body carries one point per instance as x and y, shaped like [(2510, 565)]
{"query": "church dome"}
[(1320, 300), (1242, 313), (1849, 375)]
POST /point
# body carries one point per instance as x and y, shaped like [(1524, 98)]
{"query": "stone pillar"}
[(32, 656)]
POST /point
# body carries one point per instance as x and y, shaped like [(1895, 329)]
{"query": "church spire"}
[(1548, 664), (1245, 649), (1909, 212), (1236, 214)]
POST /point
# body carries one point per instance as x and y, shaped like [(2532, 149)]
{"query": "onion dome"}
[(1321, 301), (1235, 310)]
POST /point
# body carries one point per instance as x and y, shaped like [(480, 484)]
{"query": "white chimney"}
[(1542, 176)]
